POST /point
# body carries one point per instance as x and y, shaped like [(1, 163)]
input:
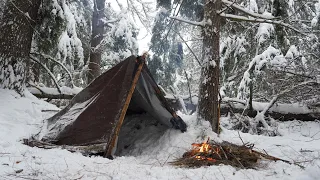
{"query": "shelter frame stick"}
[(113, 141)]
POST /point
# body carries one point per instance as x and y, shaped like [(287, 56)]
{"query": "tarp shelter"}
[(99, 112)]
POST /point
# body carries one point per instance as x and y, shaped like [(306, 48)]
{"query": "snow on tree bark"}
[(209, 85), (17, 27), (96, 38)]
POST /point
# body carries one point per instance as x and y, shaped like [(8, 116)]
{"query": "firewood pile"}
[(213, 153)]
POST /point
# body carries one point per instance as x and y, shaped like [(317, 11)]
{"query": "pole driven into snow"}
[(113, 142)]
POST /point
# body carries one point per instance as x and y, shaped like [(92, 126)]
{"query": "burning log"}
[(213, 153)]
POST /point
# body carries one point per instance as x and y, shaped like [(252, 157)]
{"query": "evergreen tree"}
[(166, 62), (159, 43), (18, 23), (120, 38), (63, 31)]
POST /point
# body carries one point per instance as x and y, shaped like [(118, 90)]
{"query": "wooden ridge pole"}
[(114, 139)]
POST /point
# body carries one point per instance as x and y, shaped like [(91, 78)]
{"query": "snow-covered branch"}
[(53, 93), (187, 21), (270, 55), (245, 11), (257, 20), (56, 61), (235, 100), (281, 111), (49, 72)]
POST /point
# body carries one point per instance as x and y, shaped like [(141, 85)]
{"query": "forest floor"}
[(22, 117)]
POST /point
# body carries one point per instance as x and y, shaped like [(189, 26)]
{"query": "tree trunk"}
[(280, 8), (209, 85), (17, 27), (96, 38)]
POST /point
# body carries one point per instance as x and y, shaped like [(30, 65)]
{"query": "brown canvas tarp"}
[(93, 114)]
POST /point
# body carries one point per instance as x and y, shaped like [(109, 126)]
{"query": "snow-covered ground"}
[(22, 117)]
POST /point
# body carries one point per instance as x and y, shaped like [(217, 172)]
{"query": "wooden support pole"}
[(114, 139)]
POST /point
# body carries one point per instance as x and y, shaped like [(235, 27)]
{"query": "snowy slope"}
[(21, 117)]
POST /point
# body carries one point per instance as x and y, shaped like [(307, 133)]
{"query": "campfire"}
[(203, 151), (212, 153)]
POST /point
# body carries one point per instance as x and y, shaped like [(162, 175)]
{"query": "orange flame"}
[(203, 148)]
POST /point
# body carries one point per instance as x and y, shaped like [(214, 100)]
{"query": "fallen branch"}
[(303, 113), (310, 116), (52, 93), (260, 117), (54, 96), (50, 110), (285, 92)]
